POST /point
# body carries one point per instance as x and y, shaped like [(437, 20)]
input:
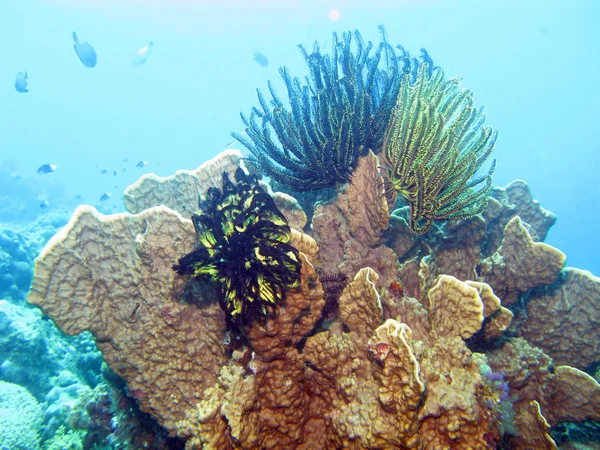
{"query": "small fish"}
[(78, 197), (44, 204), (126, 160), (103, 171), (141, 164), (115, 173), (124, 169), (21, 82), (142, 55), (85, 52), (46, 168), (105, 196), (261, 59)]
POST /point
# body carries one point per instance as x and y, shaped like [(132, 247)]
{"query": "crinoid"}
[(434, 149), (339, 113), (243, 245)]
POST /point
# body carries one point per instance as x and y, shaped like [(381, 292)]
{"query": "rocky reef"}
[(470, 335)]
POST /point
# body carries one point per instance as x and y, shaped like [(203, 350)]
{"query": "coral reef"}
[(321, 321), (180, 191), (33, 353), (399, 363), (19, 245), (146, 334), (20, 418), (562, 310)]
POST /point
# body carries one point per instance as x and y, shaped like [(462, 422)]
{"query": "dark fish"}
[(115, 173), (44, 204), (126, 160), (261, 59), (103, 171), (21, 82), (85, 52), (46, 168), (105, 196), (141, 164), (78, 197)]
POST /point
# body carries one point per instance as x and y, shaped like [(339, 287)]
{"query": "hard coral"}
[(243, 246), (112, 275), (180, 190)]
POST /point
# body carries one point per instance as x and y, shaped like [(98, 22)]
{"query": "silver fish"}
[(142, 55)]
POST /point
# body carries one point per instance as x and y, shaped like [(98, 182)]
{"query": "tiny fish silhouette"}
[(46, 168), (142, 55), (21, 82), (105, 196), (44, 204), (103, 171), (261, 59), (141, 164), (115, 173), (85, 52)]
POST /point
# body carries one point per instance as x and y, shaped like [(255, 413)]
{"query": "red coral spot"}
[(396, 290)]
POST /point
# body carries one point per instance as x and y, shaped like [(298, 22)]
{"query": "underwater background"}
[(165, 94), (534, 65)]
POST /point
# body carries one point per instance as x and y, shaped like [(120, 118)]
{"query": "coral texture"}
[(20, 418), (391, 366), (351, 230), (563, 319), (112, 275), (180, 191), (520, 263), (563, 393)]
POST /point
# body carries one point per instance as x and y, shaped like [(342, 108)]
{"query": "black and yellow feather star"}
[(243, 245)]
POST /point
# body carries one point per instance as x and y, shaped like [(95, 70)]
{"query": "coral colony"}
[(414, 306)]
